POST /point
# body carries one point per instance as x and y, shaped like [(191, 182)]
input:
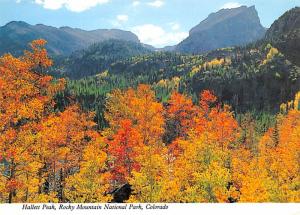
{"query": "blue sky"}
[(156, 22)]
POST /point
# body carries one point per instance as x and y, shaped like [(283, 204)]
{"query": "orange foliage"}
[(180, 114), (37, 143), (124, 149), (272, 175), (182, 152)]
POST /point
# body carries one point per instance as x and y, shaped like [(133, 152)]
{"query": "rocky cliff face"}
[(227, 27)]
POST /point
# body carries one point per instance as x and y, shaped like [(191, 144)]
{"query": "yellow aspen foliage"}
[(273, 174), (147, 182), (162, 83), (215, 63), (200, 165), (250, 177), (91, 183), (272, 52), (51, 197), (297, 101), (201, 170), (283, 108), (294, 104), (139, 106)]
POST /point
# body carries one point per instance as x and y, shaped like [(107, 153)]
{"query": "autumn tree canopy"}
[(178, 150)]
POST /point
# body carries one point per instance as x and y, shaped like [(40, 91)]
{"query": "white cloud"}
[(136, 3), (156, 3), (157, 36), (72, 5), (122, 18), (230, 5), (18, 1), (174, 26)]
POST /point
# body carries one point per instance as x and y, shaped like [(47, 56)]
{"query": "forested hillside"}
[(177, 151), (256, 78), (98, 57), (117, 121), (285, 34)]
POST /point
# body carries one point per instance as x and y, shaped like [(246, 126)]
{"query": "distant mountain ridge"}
[(15, 36), (225, 28)]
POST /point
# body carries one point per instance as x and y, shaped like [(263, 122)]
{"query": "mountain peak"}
[(17, 24), (224, 28), (224, 14)]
